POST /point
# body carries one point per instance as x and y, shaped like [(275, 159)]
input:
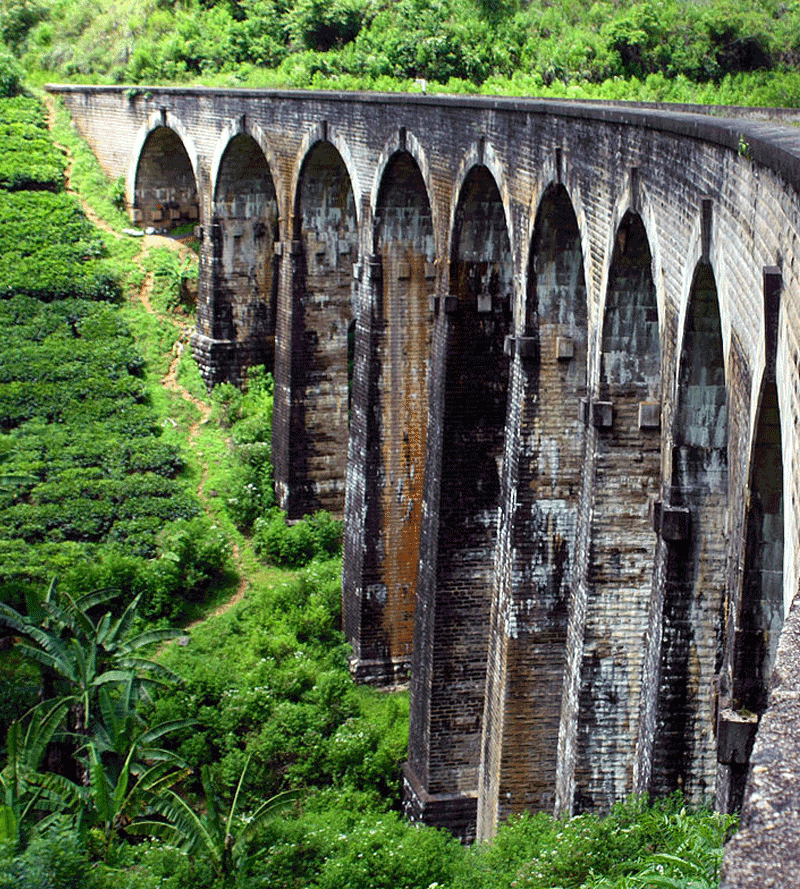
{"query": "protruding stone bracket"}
[(277, 248), (433, 304), (602, 414), (323, 130), (484, 303), (773, 284), (565, 348), (559, 161), (241, 123), (375, 266), (649, 415), (358, 270), (736, 731), (401, 138), (599, 414), (163, 116), (481, 149), (523, 346), (671, 523), (707, 204)]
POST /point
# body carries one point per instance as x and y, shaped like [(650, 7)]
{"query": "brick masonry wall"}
[(703, 189)]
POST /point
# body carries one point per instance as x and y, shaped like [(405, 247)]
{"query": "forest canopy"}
[(461, 44)]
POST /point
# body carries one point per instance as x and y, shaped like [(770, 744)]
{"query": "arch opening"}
[(548, 478), (326, 228), (627, 420), (394, 400), (165, 194), (695, 561), (473, 435), (244, 232), (761, 608)]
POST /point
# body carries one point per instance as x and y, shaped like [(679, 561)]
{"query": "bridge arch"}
[(325, 240), (464, 479), (323, 133), (760, 609), (482, 153), (538, 522), (163, 174), (240, 249), (625, 421), (392, 358), (403, 142), (692, 524)]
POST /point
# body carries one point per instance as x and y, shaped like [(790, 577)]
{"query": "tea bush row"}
[(28, 157), (49, 250), (90, 492)]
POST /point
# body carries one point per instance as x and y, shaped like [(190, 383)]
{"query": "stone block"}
[(565, 348), (602, 414), (675, 523), (649, 415), (735, 734)]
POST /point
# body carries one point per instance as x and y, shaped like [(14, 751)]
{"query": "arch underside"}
[(165, 191)]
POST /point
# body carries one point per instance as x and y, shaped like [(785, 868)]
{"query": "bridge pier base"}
[(381, 672), (226, 361), (456, 812)]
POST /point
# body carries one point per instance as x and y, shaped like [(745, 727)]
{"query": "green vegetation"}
[(28, 158), (663, 50), (240, 754)]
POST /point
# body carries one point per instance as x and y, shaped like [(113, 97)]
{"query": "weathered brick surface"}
[(575, 635)]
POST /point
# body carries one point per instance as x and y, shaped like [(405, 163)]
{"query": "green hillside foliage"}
[(28, 158), (89, 488), (461, 45)]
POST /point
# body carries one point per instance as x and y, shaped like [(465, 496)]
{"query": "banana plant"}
[(24, 790), (222, 837), (79, 656), (93, 675)]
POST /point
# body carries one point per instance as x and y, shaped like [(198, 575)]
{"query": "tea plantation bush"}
[(90, 492), (28, 158), (46, 249)]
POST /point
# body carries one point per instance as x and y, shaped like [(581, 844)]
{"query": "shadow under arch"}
[(693, 529), (625, 418), (392, 354), (163, 183), (545, 456), (241, 243), (326, 235), (761, 606), (451, 645)]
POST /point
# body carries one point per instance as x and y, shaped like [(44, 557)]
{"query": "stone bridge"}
[(543, 357)]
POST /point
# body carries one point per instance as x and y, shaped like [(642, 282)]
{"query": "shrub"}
[(294, 545), (55, 858), (10, 76)]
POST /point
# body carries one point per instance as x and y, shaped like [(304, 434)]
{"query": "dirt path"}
[(170, 381)]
